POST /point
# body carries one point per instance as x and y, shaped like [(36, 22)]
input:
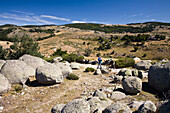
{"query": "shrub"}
[(50, 59), (89, 69), (79, 59), (59, 52), (124, 62), (18, 87), (98, 54), (72, 76), (144, 55), (70, 57)]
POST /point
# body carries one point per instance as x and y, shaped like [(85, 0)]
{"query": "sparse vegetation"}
[(124, 62), (89, 69), (72, 77), (18, 87)]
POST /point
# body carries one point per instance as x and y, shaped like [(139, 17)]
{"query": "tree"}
[(2, 53), (24, 45)]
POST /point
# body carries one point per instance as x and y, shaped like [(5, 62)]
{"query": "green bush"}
[(89, 69), (124, 62), (72, 77), (59, 52), (70, 57), (79, 59), (50, 59), (18, 87), (136, 48)]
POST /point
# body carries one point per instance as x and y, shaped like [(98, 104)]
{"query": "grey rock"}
[(2, 62), (97, 72), (164, 108), (32, 61), (76, 106), (65, 68), (117, 108), (143, 65), (132, 85), (17, 71), (116, 95), (108, 89), (136, 104), (75, 66), (57, 108), (94, 103), (57, 59), (49, 74), (4, 84), (147, 107), (159, 77), (122, 71), (100, 94), (127, 72)]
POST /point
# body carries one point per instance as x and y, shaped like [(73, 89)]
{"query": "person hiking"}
[(99, 62)]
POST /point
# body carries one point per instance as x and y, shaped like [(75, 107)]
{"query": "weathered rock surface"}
[(49, 74), (100, 94), (75, 66), (65, 68), (57, 108), (135, 73), (2, 62), (32, 61), (105, 71), (143, 65), (116, 95), (136, 104), (17, 71), (76, 106), (132, 85), (97, 72), (117, 108), (57, 59), (4, 84), (159, 77), (147, 107)]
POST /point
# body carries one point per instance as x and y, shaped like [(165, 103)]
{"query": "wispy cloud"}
[(22, 12), (135, 15), (27, 18), (54, 17)]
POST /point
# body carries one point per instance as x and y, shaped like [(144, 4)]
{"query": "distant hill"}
[(152, 23)]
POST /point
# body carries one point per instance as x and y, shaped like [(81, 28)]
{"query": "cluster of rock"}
[(100, 103), (18, 71)]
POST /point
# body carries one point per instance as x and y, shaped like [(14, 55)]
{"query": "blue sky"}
[(40, 12)]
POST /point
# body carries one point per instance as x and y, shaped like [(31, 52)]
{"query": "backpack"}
[(99, 59)]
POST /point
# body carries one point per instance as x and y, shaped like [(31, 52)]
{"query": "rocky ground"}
[(41, 99)]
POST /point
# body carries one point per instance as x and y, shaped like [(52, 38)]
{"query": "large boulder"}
[(159, 77), (132, 85), (65, 68), (127, 72), (117, 95), (57, 108), (76, 106), (143, 65), (4, 84), (17, 71), (49, 74), (135, 73), (164, 108), (2, 62), (32, 61), (136, 59), (97, 105), (147, 107), (117, 108)]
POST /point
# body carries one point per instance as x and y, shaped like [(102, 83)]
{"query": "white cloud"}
[(78, 21), (54, 17), (22, 12), (28, 18)]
